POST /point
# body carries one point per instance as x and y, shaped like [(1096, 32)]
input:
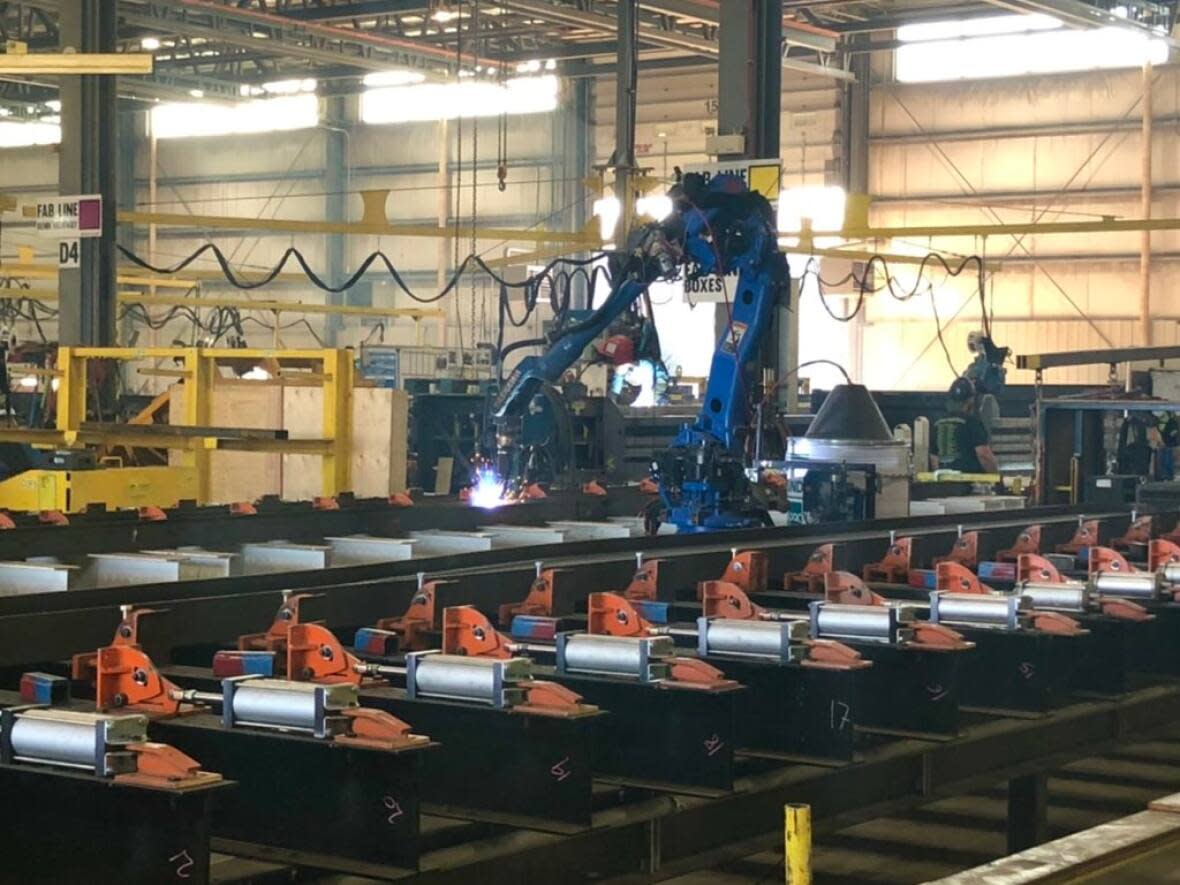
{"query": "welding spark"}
[(487, 490)]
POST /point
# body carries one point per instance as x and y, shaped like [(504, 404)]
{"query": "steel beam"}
[(87, 165), (1096, 357), (605, 24)]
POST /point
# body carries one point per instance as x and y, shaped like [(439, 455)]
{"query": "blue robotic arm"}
[(716, 227)]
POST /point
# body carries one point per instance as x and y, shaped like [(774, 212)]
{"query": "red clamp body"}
[(152, 514), (467, 632), (400, 499), (593, 488), (847, 589), (610, 614), (721, 599), (275, 637), (126, 679), (325, 503), (645, 582), (163, 767), (748, 570), (895, 567), (1028, 542), (52, 517), (811, 578), (538, 603), (954, 578), (1085, 535), (648, 486), (965, 551), (413, 627), (314, 654), (1162, 552), (1138, 533), (1031, 567), (1104, 559), (242, 508), (83, 667)]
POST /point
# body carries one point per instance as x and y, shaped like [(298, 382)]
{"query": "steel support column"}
[(1028, 809), (749, 104), (750, 74), (337, 184), (87, 165), (854, 168), (576, 153), (622, 160)]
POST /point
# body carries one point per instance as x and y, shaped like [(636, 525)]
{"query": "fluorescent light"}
[(150, 44), (256, 374), (289, 87), (467, 98), (443, 15), (53, 104), (28, 382), (393, 78), (989, 25), (187, 119), (197, 93), (1031, 51)]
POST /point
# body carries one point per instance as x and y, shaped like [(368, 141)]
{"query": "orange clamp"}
[(895, 567), (538, 603), (811, 578), (1057, 623), (1138, 532), (467, 632), (747, 570), (1028, 542), (828, 654), (550, 698), (314, 654), (1085, 535), (275, 637), (609, 614), (721, 599), (242, 508), (648, 486), (954, 578), (938, 636), (965, 551), (1104, 559), (534, 492), (378, 729), (1030, 567), (6, 521), (695, 673), (83, 666), (645, 583), (593, 488), (1123, 609), (126, 679), (163, 766), (847, 589), (152, 514), (1162, 552), (400, 499), (52, 517), (413, 627)]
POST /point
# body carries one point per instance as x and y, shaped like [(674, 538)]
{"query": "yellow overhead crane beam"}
[(17, 60), (363, 228)]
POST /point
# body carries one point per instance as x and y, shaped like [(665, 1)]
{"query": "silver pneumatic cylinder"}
[(616, 655), (1136, 586), (996, 610), (1070, 597)]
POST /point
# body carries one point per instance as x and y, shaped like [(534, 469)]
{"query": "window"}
[(13, 134), (467, 98), (1010, 45), (194, 119)]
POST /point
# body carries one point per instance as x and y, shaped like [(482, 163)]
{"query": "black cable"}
[(373, 258)]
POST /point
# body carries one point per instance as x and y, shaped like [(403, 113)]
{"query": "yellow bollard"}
[(797, 832)]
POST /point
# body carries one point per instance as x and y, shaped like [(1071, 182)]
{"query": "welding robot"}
[(716, 227)]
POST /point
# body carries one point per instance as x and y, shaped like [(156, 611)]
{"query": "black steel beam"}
[(1096, 357)]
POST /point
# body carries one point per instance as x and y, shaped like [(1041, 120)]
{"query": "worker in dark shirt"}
[(961, 441)]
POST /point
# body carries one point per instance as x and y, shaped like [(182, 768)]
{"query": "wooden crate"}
[(380, 429)]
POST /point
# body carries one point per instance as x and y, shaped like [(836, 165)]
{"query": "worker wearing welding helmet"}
[(961, 439)]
